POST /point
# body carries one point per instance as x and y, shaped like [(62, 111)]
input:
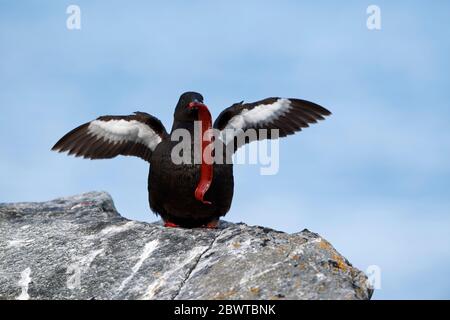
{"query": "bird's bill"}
[(197, 104)]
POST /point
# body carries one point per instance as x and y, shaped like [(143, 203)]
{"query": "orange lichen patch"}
[(295, 257), (236, 245), (340, 263), (325, 245), (255, 290), (225, 295)]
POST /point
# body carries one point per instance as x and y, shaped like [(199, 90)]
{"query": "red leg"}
[(212, 224), (169, 224)]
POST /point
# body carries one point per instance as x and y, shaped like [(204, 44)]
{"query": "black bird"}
[(189, 194)]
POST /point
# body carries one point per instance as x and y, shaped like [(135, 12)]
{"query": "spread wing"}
[(286, 115), (110, 136)]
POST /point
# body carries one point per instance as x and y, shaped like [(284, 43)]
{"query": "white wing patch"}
[(117, 131), (261, 114), (265, 113)]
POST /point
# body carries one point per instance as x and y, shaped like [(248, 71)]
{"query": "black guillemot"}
[(189, 194)]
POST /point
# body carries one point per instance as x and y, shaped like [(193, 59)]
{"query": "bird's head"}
[(187, 106)]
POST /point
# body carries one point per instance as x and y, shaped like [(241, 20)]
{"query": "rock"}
[(80, 248)]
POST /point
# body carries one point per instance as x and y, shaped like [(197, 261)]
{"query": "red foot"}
[(169, 224), (209, 225), (212, 224)]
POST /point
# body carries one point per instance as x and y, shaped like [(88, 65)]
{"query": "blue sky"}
[(374, 179)]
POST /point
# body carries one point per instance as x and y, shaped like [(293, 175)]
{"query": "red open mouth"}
[(206, 167)]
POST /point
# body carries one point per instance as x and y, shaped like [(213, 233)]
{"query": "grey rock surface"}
[(80, 248)]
